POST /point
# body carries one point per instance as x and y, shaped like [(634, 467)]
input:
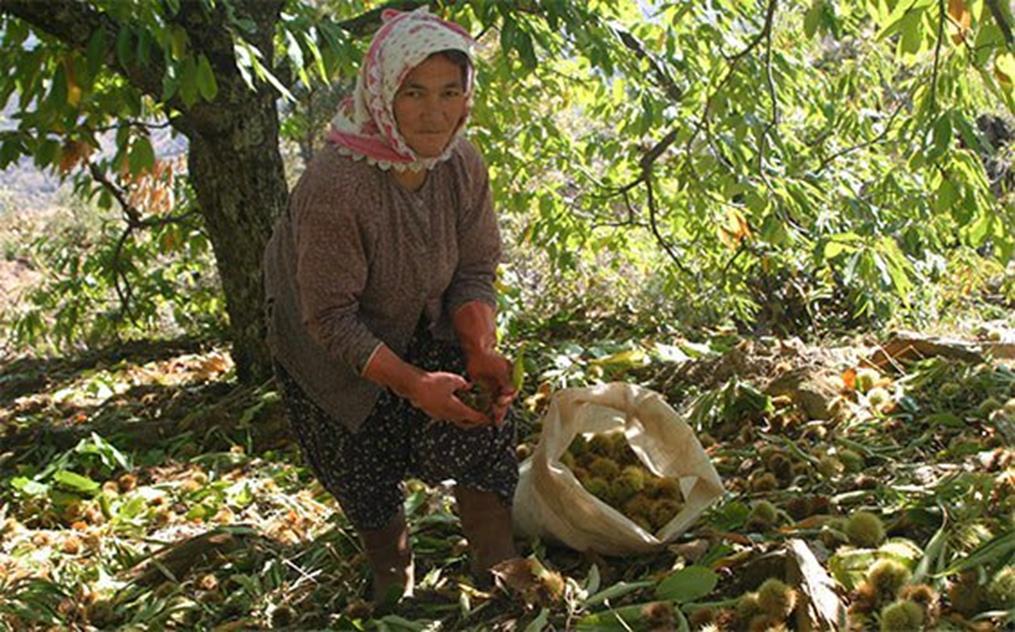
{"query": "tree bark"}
[(234, 160)]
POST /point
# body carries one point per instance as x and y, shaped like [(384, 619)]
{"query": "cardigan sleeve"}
[(479, 243), (332, 265)]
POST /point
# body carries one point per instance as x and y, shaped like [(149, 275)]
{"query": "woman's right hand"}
[(434, 393)]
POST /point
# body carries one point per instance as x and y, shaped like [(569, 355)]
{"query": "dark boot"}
[(387, 550), (486, 521)]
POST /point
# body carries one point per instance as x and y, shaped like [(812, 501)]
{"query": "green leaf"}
[(96, 51), (942, 136), (141, 157), (616, 591), (189, 90), (123, 52), (813, 18), (206, 79), (687, 584), (29, 487), (75, 482)]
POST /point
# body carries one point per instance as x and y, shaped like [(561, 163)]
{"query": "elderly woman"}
[(379, 280)]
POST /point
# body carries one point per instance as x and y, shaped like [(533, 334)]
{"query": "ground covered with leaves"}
[(142, 488)]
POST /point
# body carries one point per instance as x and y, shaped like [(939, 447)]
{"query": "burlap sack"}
[(549, 501)]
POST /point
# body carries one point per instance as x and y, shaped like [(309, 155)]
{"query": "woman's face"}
[(429, 105)]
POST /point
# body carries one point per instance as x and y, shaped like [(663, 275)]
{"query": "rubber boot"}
[(390, 558), (486, 521)]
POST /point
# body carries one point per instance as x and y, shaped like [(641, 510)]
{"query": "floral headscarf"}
[(364, 126)]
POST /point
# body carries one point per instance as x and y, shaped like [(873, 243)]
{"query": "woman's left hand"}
[(493, 371)]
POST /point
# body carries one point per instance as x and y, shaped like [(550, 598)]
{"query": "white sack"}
[(549, 501)]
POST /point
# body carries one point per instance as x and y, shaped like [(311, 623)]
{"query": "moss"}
[(865, 529), (902, 616), (776, 598)]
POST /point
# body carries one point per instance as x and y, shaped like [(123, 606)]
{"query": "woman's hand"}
[(434, 394), (493, 371)]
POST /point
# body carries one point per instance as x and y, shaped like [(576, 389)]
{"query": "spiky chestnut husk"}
[(949, 390), (600, 445), (765, 623), (879, 397), (581, 474), (663, 511), (636, 475), (567, 459), (598, 487), (640, 504), (926, 597), (865, 529), (799, 507), (604, 467), (782, 467), (748, 606), (865, 379), (658, 614), (829, 466), (622, 489), (965, 596), (851, 460), (776, 598), (1001, 589), (763, 514), (663, 488), (902, 616), (701, 617), (579, 445), (887, 577), (820, 505), (761, 481), (987, 406)]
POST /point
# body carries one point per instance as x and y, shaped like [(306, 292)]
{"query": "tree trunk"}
[(241, 188)]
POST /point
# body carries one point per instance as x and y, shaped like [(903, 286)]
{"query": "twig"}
[(134, 222), (647, 179), (771, 91), (877, 139)]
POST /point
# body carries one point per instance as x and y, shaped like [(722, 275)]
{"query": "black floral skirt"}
[(365, 469)]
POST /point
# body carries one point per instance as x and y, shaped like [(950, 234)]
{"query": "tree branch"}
[(995, 10), (134, 222), (74, 23)]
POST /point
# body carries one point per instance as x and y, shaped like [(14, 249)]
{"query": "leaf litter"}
[(878, 492)]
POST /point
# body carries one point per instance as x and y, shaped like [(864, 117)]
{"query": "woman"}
[(379, 281)]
